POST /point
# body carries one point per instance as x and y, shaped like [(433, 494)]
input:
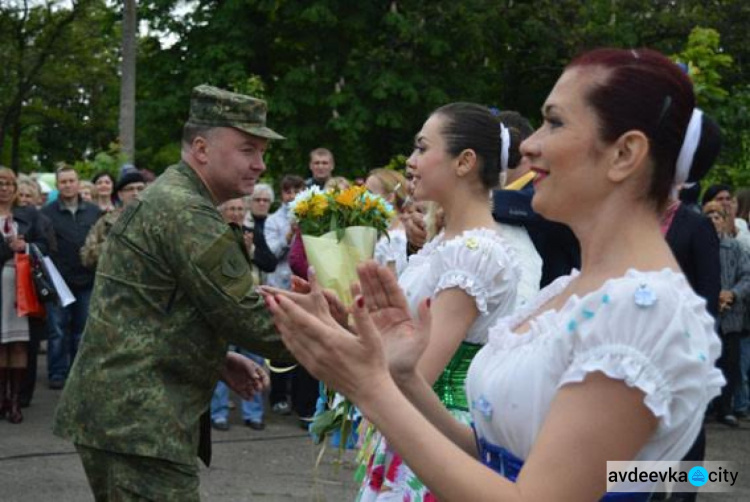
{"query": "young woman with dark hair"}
[(467, 270), (103, 191), (615, 362)]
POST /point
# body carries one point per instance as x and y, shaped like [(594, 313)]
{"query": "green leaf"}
[(324, 423)]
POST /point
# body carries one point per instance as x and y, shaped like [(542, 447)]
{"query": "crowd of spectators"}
[(70, 224)]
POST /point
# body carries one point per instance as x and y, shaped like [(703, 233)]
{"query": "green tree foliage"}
[(360, 77), (706, 64), (58, 62), (107, 161)]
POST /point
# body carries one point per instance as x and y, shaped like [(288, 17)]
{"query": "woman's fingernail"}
[(361, 301), (429, 302)]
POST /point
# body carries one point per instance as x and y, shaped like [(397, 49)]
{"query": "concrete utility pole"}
[(127, 85)]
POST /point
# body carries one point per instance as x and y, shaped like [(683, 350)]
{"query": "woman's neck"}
[(465, 210), (616, 238)]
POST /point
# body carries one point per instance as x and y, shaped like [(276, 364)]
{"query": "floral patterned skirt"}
[(386, 477)]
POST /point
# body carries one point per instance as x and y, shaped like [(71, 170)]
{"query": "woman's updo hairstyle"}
[(643, 91), (469, 126), (519, 128), (707, 151)]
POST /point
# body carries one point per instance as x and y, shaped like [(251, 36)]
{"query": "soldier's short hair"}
[(191, 131)]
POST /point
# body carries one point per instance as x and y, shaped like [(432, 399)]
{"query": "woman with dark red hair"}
[(615, 362)]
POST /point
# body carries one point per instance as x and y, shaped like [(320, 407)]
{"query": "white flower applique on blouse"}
[(479, 262)]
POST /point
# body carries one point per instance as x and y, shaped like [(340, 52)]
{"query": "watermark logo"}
[(673, 476), (698, 476)]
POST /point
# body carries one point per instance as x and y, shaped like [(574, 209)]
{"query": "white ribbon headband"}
[(689, 146), (504, 147)]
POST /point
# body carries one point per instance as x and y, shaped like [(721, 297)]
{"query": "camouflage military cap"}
[(211, 106)]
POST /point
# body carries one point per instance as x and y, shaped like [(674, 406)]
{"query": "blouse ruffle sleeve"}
[(652, 333), (481, 264)]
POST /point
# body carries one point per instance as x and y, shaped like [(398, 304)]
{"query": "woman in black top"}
[(20, 226)]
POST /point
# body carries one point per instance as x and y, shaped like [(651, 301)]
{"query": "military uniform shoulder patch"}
[(233, 263)]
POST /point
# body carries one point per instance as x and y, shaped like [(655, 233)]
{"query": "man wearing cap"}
[(173, 289), (130, 184)]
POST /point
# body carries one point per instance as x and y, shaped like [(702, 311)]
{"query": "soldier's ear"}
[(199, 149)]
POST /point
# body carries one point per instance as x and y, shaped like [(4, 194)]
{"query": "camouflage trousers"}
[(116, 477)]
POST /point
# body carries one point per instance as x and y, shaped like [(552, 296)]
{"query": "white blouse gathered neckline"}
[(648, 329)]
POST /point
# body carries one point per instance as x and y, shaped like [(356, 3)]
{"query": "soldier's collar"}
[(200, 177)]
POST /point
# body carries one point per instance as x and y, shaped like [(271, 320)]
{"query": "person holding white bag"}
[(20, 226)]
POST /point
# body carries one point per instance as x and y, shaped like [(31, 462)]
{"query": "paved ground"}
[(274, 464)]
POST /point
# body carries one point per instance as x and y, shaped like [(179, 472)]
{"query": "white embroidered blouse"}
[(479, 262), (648, 329)]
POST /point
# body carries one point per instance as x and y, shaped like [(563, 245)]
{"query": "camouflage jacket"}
[(92, 247), (173, 289)]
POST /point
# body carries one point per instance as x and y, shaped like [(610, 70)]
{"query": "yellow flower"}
[(472, 243), (348, 197), (302, 208), (371, 203), (318, 205)]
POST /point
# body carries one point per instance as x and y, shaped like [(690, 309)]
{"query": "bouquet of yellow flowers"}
[(339, 230)]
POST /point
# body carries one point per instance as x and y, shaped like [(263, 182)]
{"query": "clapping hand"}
[(404, 339), (415, 227), (388, 339), (312, 297), (247, 237)]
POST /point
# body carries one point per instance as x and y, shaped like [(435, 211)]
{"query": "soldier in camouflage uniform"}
[(173, 289)]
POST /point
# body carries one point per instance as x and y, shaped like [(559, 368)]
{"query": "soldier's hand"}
[(244, 376)]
